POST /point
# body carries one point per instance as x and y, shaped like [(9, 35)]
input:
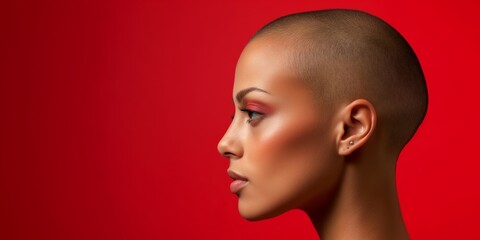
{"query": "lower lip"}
[(237, 185)]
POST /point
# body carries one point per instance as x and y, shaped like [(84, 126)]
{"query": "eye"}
[(252, 115)]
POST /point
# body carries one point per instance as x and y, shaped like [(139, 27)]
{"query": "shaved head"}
[(344, 55)]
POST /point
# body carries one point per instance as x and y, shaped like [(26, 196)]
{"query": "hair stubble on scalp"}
[(345, 55)]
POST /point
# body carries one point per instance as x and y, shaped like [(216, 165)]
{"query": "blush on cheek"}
[(280, 146), (285, 136)]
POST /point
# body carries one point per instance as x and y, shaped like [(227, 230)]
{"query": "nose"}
[(230, 145)]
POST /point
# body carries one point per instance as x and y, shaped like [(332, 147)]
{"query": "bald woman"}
[(325, 102)]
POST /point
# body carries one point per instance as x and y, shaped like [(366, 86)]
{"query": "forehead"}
[(267, 63)]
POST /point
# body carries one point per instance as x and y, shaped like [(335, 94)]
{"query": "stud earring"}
[(351, 142)]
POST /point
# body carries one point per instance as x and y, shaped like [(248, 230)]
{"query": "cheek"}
[(288, 158)]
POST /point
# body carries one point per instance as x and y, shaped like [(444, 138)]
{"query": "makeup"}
[(258, 107), (239, 182)]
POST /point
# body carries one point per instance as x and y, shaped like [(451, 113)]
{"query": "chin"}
[(256, 212)]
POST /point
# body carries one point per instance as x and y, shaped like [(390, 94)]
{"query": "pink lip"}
[(239, 182)]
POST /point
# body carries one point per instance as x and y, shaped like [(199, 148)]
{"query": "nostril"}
[(228, 154)]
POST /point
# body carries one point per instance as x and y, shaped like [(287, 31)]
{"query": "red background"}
[(111, 112)]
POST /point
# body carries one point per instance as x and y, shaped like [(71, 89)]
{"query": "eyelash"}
[(250, 113)]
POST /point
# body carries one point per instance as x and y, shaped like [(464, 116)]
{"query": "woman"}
[(325, 101)]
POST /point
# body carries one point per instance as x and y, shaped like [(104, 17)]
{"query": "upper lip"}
[(236, 176)]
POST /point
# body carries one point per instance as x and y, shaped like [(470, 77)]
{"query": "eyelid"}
[(257, 107)]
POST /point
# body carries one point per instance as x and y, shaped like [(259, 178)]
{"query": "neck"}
[(365, 207)]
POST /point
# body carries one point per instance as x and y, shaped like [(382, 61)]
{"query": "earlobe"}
[(358, 120)]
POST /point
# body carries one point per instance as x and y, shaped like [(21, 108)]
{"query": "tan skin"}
[(297, 154)]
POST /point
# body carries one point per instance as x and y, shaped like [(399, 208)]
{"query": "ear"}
[(358, 120)]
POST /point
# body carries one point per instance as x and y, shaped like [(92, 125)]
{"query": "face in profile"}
[(280, 144), (308, 91)]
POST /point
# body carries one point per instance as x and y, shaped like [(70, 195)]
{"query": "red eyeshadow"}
[(258, 107)]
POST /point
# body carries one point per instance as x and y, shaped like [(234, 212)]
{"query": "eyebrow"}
[(242, 93)]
